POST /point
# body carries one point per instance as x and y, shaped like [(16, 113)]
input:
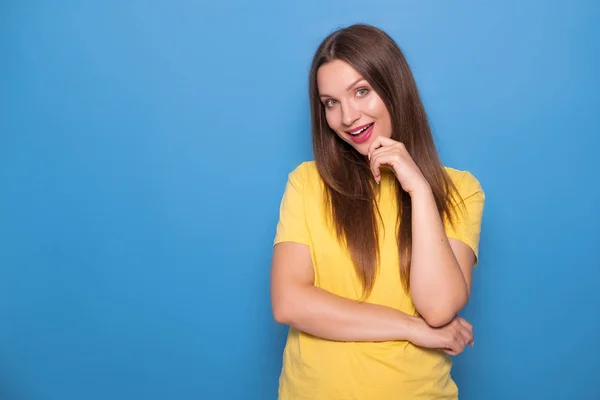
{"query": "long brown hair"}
[(350, 193)]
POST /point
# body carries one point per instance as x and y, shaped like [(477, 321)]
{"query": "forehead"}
[(335, 76)]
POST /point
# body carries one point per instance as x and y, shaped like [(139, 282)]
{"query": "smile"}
[(359, 130), (362, 133)]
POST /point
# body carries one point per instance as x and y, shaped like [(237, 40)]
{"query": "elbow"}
[(438, 315), (289, 305), (280, 315), (283, 311), (437, 319)]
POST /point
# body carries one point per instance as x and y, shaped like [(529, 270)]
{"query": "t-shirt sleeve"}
[(291, 226), (468, 214)]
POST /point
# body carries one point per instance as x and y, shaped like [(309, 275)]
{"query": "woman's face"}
[(353, 109)]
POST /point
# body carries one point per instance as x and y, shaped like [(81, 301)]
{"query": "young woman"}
[(376, 239)]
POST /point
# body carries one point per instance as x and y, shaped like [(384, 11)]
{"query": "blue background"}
[(144, 149)]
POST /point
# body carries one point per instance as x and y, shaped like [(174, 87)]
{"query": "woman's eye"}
[(329, 103), (362, 92)]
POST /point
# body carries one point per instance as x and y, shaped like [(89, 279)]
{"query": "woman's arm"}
[(441, 268), (440, 277), (298, 303)]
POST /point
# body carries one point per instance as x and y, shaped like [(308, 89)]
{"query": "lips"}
[(362, 133), (358, 130)]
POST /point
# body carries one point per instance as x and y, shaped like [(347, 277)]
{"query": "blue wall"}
[(144, 148)]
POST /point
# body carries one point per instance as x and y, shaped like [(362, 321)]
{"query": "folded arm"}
[(441, 268), (298, 303)]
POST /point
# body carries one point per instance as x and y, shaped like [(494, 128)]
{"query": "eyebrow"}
[(348, 88)]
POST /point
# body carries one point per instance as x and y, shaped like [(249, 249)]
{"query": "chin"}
[(362, 148)]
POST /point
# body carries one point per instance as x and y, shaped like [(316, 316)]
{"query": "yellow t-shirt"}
[(320, 369)]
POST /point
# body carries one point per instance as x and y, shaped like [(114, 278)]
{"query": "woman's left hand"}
[(388, 152)]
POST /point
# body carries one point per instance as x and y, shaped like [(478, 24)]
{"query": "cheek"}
[(379, 111), (369, 105), (376, 107), (332, 121)]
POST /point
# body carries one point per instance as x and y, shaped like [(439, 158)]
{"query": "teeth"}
[(361, 131)]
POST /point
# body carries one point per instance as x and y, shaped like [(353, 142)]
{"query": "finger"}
[(383, 150), (448, 351), (390, 155), (373, 146), (380, 159), (457, 346), (467, 335), (465, 329), (375, 164), (461, 338), (469, 328), (386, 141), (380, 141), (465, 323)]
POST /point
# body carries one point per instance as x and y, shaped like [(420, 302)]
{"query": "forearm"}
[(320, 313), (438, 287)]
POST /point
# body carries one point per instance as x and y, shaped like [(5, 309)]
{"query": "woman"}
[(376, 239)]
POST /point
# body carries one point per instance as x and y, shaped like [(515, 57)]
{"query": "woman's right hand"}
[(451, 338)]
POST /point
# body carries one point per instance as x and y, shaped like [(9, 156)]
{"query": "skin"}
[(440, 270)]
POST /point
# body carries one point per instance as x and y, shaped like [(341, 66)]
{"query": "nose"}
[(350, 114)]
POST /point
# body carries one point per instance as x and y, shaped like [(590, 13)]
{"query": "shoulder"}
[(305, 172), (465, 182)]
